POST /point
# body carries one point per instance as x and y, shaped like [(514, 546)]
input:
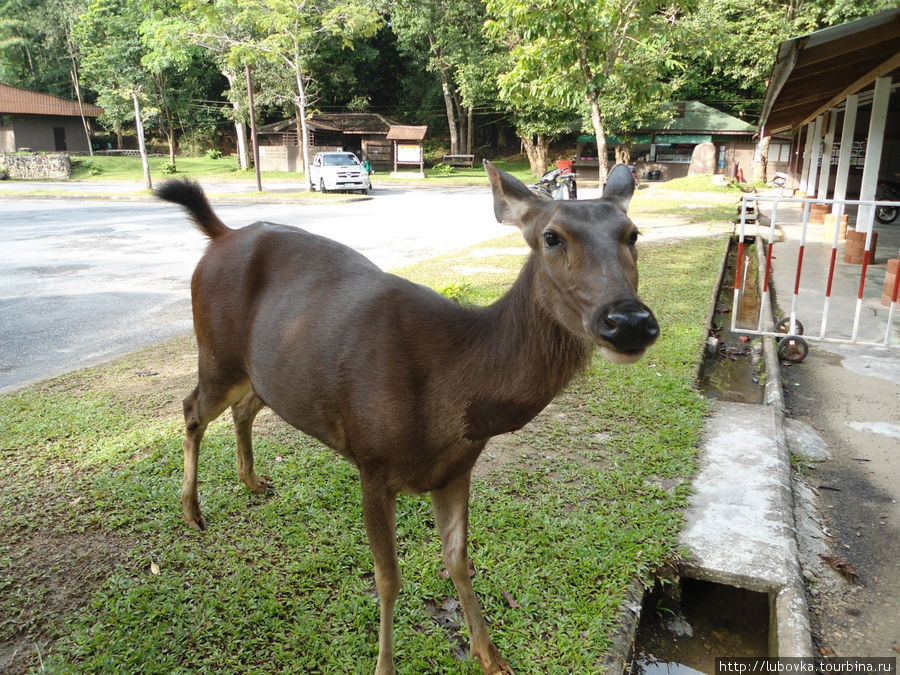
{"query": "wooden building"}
[(31, 120)]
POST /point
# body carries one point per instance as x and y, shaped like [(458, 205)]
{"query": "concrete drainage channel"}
[(739, 591)]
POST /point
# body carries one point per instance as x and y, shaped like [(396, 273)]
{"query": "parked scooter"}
[(890, 192), (556, 184)]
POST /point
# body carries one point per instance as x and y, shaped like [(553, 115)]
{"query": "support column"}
[(814, 154), (825, 173), (807, 152), (843, 169), (873, 149)]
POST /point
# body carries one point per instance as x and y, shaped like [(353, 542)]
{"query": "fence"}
[(789, 328)]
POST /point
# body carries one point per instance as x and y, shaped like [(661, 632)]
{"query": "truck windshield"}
[(338, 159)]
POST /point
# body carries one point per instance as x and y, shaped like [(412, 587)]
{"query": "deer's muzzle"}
[(627, 326)]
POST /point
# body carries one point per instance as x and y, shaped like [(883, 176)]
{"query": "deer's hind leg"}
[(243, 413), (208, 400)]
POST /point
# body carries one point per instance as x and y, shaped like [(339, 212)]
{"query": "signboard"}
[(409, 153)]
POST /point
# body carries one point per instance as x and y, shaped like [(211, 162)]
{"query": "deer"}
[(403, 382)]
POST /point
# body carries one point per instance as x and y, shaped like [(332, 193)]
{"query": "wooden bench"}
[(459, 160)]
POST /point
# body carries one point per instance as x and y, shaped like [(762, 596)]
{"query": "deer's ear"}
[(514, 204), (619, 186)]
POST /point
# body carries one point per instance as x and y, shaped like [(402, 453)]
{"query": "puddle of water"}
[(684, 637), (730, 369)]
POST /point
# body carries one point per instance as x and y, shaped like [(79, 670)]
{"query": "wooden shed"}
[(32, 120)]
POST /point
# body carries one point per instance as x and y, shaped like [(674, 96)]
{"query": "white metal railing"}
[(791, 324)]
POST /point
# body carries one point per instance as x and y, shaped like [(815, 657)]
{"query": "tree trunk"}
[(300, 104), (600, 134), (451, 116), (470, 138), (537, 149), (170, 137), (87, 128), (623, 152), (120, 136), (240, 128), (139, 127), (761, 168)]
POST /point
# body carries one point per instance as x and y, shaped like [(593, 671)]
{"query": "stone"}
[(703, 160)]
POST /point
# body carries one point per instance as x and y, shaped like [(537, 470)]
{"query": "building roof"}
[(698, 117), (694, 122), (345, 123), (813, 73), (403, 132), (19, 101)]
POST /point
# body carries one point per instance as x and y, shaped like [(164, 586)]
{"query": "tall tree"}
[(445, 34), (108, 34), (568, 53)]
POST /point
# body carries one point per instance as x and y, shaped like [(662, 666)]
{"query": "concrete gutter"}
[(740, 522), (739, 528)]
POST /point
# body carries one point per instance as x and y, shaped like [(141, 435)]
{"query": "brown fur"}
[(403, 382)]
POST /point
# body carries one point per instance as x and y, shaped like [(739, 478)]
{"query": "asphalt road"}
[(82, 281)]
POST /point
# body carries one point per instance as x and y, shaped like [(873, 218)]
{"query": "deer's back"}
[(339, 349)]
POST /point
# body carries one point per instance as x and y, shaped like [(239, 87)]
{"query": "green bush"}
[(168, 168)]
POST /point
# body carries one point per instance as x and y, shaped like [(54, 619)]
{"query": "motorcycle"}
[(558, 184), (887, 191)]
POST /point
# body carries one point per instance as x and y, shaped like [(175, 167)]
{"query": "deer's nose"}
[(628, 325)]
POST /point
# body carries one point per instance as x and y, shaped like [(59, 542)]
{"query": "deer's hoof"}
[(263, 484), (195, 522)]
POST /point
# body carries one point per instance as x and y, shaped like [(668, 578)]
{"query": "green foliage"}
[(459, 290), (214, 153), (442, 169), (168, 168)]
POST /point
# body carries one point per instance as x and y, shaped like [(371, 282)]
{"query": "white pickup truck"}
[(338, 171)]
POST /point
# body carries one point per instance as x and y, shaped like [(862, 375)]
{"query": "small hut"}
[(409, 148)]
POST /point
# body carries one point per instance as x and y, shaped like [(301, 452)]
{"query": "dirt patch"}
[(55, 573)]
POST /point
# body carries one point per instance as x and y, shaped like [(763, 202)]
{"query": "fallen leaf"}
[(826, 651), (75, 501), (744, 338), (509, 599), (895, 647), (154, 568), (841, 566)]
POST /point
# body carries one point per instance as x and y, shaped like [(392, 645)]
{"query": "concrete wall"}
[(55, 166)]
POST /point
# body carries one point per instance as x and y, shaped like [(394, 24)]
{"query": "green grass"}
[(102, 168), (701, 184), (91, 473)]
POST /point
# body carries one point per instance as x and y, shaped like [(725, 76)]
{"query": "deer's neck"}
[(522, 359)]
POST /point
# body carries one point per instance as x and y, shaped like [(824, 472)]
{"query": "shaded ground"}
[(852, 399)]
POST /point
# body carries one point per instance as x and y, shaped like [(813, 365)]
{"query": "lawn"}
[(225, 169), (98, 573)]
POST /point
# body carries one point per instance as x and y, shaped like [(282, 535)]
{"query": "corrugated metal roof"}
[(19, 101)]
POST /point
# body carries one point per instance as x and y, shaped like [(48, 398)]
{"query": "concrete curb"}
[(790, 623)]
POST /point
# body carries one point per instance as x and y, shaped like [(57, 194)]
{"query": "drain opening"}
[(732, 367), (683, 629)]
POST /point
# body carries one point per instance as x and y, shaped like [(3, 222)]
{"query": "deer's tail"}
[(189, 194)]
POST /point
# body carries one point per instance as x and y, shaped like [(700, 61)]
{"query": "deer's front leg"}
[(379, 513), (451, 511)]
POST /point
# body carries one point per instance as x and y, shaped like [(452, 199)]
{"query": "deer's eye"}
[(551, 239), (632, 240)]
